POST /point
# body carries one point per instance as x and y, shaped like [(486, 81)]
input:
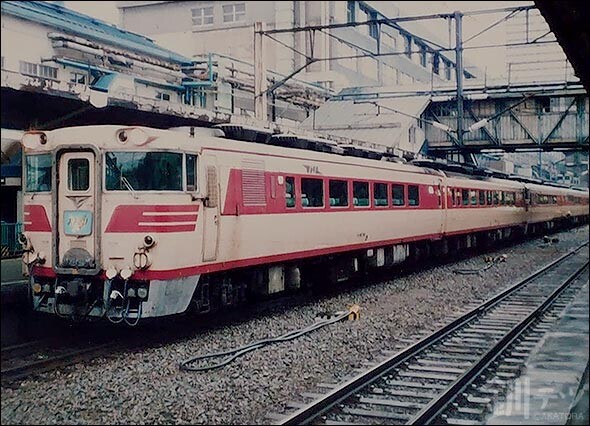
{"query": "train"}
[(132, 222)]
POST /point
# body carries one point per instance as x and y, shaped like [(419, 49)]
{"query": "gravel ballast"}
[(146, 386)]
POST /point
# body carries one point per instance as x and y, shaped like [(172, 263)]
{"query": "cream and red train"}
[(133, 222)]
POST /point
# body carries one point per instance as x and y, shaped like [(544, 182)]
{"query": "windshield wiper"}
[(113, 167)]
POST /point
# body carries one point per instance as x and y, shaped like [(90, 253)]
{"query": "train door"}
[(441, 192), (76, 230), (211, 211)]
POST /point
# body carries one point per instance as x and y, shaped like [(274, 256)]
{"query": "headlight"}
[(126, 273), (111, 273), (34, 139)]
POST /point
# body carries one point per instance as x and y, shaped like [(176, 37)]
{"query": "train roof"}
[(305, 147)]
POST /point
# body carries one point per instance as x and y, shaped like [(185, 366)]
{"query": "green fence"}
[(10, 245)]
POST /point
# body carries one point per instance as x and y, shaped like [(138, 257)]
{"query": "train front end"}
[(102, 210)]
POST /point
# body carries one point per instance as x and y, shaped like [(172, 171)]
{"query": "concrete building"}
[(226, 27)]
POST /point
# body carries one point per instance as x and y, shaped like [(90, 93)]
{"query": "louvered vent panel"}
[(253, 184)]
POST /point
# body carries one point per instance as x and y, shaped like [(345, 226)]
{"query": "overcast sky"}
[(492, 60)]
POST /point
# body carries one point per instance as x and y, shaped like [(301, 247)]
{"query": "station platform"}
[(554, 388), (14, 284)]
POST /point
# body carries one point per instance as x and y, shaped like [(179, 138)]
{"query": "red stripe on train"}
[(35, 219), (153, 218)]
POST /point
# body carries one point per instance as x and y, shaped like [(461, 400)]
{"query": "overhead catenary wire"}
[(230, 355)]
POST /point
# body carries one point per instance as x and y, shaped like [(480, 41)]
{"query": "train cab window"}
[(360, 194), (38, 173), (482, 197), (473, 197), (78, 174), (290, 191), (380, 194), (312, 192), (338, 193), (413, 195), (143, 171), (397, 195), (465, 196), (191, 173)]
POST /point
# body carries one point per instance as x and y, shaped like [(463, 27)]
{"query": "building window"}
[(338, 193), (47, 72), (44, 71), (78, 78), (312, 192), (234, 12), (163, 96), (360, 193), (397, 192), (350, 11), (408, 45), (202, 16), (413, 195), (290, 191), (28, 68)]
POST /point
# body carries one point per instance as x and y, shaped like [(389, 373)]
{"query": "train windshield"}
[(38, 173), (143, 171)]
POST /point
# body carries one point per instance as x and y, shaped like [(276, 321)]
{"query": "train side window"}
[(413, 195), (482, 197), (191, 173), (503, 197), (496, 198), (338, 193), (397, 195), (489, 198), (473, 197), (465, 196), (553, 199), (78, 174), (452, 191), (380, 194), (290, 196), (360, 193), (312, 192)]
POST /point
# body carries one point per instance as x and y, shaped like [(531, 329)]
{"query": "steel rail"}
[(437, 406), (322, 405)]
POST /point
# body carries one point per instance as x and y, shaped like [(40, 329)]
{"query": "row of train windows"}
[(312, 193), (466, 197), (544, 199)]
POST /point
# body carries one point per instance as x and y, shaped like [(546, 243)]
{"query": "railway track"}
[(453, 375), (39, 356)]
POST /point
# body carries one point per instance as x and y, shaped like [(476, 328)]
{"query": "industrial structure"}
[(198, 27)]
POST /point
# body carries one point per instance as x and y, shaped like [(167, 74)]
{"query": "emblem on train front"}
[(78, 222)]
